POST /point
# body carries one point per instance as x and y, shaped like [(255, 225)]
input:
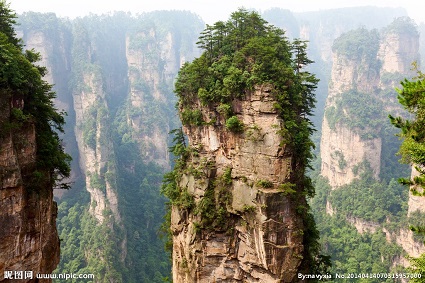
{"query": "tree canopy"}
[(412, 97), (243, 52)]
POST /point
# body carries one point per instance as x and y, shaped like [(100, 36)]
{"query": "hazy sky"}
[(209, 10)]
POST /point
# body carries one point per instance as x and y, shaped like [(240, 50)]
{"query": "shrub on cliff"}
[(21, 80)]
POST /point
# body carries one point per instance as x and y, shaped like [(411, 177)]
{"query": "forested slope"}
[(114, 75)]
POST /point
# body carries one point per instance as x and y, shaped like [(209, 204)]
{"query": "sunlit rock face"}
[(28, 236), (261, 240)]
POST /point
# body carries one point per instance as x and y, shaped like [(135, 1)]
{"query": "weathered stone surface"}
[(354, 150), (396, 52), (28, 236), (263, 241), (416, 203)]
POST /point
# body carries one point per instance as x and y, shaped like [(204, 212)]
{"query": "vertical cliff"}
[(28, 238), (114, 76), (154, 56), (238, 191), (255, 234), (358, 145), (32, 160), (366, 67)]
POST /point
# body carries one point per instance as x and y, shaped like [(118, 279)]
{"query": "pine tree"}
[(412, 97)]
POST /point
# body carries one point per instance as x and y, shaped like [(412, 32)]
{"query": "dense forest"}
[(115, 76)]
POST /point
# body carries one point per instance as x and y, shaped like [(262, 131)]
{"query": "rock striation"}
[(261, 237), (346, 145), (28, 236), (373, 73)]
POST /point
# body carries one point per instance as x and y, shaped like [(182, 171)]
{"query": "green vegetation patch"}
[(358, 44), (359, 111)]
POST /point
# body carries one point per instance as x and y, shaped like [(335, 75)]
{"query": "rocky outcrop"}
[(398, 51), (363, 226), (416, 203), (342, 150), (373, 72), (146, 80), (405, 239), (28, 236), (95, 147), (260, 239)]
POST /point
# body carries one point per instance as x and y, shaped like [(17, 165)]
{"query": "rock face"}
[(416, 203), (260, 240), (146, 80), (344, 147), (28, 236), (405, 239), (355, 150)]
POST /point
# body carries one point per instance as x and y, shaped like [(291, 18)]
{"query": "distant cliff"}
[(358, 144), (366, 68), (114, 76)]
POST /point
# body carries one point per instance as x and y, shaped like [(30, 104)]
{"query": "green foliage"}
[(213, 206), (264, 184), (225, 110), (367, 200), (7, 23), (369, 253), (418, 267), (358, 111), (21, 79), (19, 116), (142, 207), (287, 189), (227, 176), (412, 148), (248, 208), (83, 240), (234, 125), (358, 44), (192, 117), (402, 25), (411, 97)]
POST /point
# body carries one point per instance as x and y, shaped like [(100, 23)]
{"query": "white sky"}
[(209, 10)]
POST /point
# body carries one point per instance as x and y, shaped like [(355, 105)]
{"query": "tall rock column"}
[(243, 227), (367, 66), (238, 190), (28, 236), (343, 146)]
